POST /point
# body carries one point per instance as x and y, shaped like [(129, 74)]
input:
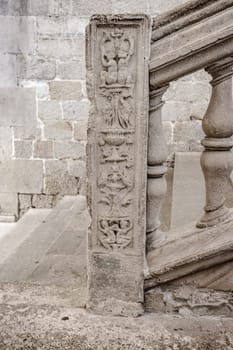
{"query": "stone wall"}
[(43, 102)]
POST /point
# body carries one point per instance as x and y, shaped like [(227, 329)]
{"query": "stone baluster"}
[(157, 155), (217, 158)]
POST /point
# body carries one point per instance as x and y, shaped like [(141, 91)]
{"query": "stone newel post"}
[(117, 66), (157, 155), (217, 158)]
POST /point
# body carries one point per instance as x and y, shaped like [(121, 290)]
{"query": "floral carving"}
[(115, 233), (116, 50)]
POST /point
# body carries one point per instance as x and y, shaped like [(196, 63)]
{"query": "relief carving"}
[(116, 50), (115, 234)]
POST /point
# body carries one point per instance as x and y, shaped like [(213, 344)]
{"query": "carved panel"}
[(117, 65)]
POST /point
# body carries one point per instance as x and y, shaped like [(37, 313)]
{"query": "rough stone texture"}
[(49, 110), (65, 90), (30, 179), (23, 149), (58, 130), (43, 149), (117, 145)]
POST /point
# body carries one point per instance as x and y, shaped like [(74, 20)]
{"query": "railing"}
[(196, 36)]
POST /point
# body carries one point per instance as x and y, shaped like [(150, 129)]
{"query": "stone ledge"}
[(187, 250)]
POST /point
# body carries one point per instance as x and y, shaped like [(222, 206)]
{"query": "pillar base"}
[(212, 218)]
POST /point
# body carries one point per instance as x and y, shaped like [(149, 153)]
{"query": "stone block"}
[(130, 6), (63, 49), (43, 149), (69, 149), (23, 176), (17, 34), (33, 67), (183, 91), (5, 143), (87, 8), (71, 70), (58, 130), (67, 185), (25, 203), (8, 76), (9, 203), (76, 110), (50, 26), (60, 7), (56, 168), (176, 111), (77, 168), (43, 201), (39, 8), (49, 110), (80, 130), (27, 132), (18, 7), (188, 131), (41, 87), (4, 7), (65, 90), (17, 107), (23, 149), (76, 25)]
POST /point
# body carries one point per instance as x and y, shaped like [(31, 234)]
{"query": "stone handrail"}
[(197, 35)]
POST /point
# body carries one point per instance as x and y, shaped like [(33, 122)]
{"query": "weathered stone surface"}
[(69, 149), (188, 189), (33, 67), (56, 167), (186, 250), (77, 168), (67, 185), (58, 130), (75, 110), (23, 149), (25, 203), (43, 201), (43, 149), (49, 110), (17, 107), (187, 300), (9, 204), (8, 74), (63, 48), (17, 34), (23, 176), (83, 8), (71, 70), (5, 142), (73, 328), (65, 90), (80, 130), (117, 161), (4, 7)]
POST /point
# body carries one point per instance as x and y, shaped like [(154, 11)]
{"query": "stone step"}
[(51, 255), (188, 193), (187, 250), (20, 232)]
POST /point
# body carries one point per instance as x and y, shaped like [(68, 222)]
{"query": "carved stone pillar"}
[(157, 155), (117, 65), (217, 159)]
